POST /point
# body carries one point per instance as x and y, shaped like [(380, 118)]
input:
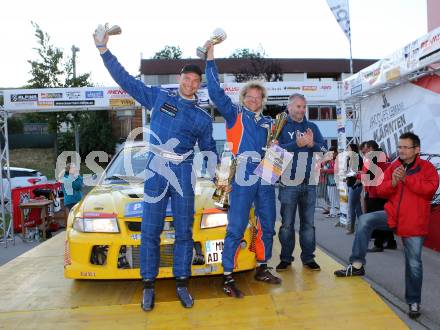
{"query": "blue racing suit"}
[(245, 133), (177, 124)]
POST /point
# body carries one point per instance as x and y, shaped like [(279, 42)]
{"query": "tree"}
[(259, 67), (52, 70), (47, 71), (168, 53), (247, 53)]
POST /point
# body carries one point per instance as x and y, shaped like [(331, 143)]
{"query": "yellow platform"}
[(34, 294)]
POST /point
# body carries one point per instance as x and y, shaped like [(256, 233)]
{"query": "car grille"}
[(136, 225), (132, 259)]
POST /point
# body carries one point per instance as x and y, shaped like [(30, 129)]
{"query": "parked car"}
[(21, 177), (104, 229)]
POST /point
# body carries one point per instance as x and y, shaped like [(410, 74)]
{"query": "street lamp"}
[(76, 128), (74, 50)]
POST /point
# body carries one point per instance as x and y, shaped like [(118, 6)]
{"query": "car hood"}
[(125, 200)]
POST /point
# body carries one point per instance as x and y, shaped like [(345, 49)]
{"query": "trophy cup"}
[(225, 174), (218, 36), (277, 127), (101, 30)]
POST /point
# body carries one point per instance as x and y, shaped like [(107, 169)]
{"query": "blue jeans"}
[(354, 205), (303, 197), (412, 248), (413, 268)]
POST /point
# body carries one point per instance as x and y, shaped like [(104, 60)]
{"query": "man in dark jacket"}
[(409, 184), (302, 138)]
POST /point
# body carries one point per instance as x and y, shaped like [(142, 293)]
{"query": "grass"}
[(42, 160)]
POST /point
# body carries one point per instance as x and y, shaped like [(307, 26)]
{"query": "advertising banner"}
[(414, 56)]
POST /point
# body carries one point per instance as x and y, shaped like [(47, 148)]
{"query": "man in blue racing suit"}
[(246, 131), (177, 124)]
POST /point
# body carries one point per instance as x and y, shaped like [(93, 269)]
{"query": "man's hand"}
[(398, 175), (300, 139), (309, 138), (101, 45), (209, 50)]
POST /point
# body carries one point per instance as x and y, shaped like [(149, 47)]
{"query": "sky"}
[(283, 29)]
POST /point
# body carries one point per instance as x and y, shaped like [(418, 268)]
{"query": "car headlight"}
[(96, 225), (214, 220)]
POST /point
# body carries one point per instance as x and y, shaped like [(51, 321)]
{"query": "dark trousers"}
[(380, 236)]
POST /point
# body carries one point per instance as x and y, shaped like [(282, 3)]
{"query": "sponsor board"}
[(73, 95), (118, 93), (24, 97), (73, 103), (45, 103), (94, 94), (51, 96), (121, 102)]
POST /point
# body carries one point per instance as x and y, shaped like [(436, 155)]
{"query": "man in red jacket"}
[(409, 184)]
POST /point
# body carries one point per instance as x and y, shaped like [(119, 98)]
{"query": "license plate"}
[(213, 251)]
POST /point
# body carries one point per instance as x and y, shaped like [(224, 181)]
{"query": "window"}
[(313, 113), (322, 112)]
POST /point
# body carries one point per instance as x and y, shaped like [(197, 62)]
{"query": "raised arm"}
[(223, 102), (137, 89)]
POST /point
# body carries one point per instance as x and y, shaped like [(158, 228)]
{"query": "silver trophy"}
[(101, 30), (218, 36)]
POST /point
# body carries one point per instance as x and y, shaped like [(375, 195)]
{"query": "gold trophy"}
[(101, 30), (218, 36), (224, 176), (277, 127)]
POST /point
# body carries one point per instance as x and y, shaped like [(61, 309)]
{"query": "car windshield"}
[(129, 164)]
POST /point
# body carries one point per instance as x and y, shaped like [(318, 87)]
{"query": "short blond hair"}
[(257, 84)]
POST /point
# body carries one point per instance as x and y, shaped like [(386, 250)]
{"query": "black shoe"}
[(147, 302), (375, 249), (263, 274), (312, 265), (414, 310), (182, 292), (229, 287), (350, 271), (282, 266), (185, 297)]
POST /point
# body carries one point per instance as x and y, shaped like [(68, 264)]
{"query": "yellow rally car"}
[(103, 230)]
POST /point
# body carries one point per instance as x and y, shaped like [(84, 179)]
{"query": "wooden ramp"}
[(34, 294)]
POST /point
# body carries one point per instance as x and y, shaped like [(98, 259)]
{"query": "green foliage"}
[(51, 69), (96, 133), (247, 53), (47, 71), (66, 141), (168, 53), (15, 125)]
